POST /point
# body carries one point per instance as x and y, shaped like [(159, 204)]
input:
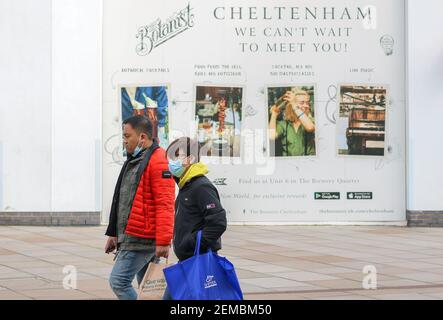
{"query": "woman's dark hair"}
[(186, 145)]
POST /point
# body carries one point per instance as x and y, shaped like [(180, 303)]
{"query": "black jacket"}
[(198, 207)]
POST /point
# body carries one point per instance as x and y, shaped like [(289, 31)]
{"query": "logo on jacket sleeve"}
[(210, 282), (210, 206), (166, 174)]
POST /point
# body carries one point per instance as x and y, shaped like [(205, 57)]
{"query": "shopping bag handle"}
[(197, 246)]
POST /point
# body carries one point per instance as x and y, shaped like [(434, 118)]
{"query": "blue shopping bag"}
[(203, 277)]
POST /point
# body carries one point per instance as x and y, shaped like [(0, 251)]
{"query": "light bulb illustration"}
[(387, 43)]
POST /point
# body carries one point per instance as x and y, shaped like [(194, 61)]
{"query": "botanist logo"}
[(157, 284), (210, 282), (156, 33)]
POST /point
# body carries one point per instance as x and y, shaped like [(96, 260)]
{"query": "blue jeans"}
[(128, 265)]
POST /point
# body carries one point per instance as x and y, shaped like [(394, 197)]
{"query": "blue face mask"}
[(176, 167), (137, 150)]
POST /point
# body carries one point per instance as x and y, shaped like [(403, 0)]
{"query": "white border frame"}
[(355, 156), (268, 149), (119, 99), (222, 159)]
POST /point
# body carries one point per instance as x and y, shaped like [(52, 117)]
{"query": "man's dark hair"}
[(186, 145), (141, 124)]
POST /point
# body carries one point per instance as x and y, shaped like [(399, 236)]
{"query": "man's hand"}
[(162, 251), (111, 244)]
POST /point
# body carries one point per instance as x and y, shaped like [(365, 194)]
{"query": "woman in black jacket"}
[(197, 206)]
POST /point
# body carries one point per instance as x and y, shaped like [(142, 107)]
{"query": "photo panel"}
[(150, 101), (361, 125), (218, 114), (291, 121)]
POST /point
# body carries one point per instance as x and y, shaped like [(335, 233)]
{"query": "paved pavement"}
[(272, 262)]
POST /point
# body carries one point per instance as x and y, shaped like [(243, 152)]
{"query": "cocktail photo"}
[(150, 101), (218, 114)]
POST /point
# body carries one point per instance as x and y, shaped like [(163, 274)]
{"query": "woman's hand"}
[(290, 98), (275, 111)]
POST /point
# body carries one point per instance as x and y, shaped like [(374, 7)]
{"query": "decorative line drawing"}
[(113, 85), (322, 141), (114, 150), (250, 111), (332, 94), (394, 152)]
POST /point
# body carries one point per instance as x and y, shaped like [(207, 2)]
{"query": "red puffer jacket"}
[(152, 212)]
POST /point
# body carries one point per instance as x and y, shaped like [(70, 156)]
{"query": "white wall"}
[(76, 108), (25, 105), (425, 90), (50, 111)]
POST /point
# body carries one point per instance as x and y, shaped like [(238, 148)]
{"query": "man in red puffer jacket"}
[(141, 221)]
